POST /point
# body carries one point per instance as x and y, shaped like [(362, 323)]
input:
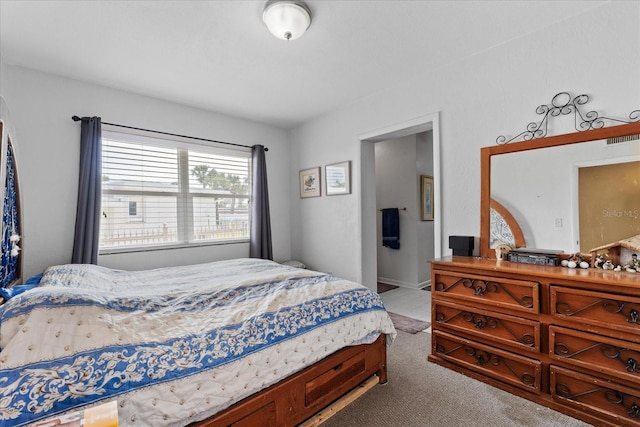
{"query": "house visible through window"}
[(163, 193)]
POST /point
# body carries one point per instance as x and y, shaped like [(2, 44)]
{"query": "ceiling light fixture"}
[(286, 19)]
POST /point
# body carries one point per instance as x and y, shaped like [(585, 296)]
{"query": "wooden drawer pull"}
[(337, 367)]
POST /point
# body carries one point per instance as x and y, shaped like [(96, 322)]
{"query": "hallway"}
[(414, 303)]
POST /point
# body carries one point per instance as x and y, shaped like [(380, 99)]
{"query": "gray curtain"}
[(85, 242), (260, 241)]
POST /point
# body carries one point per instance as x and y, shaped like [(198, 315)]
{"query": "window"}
[(133, 208), (165, 193)]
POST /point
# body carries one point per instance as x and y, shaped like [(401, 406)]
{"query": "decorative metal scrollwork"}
[(563, 390), (484, 357), (629, 363), (480, 322), (563, 104), (561, 349), (612, 396), (609, 351), (611, 306), (480, 287), (621, 399), (441, 349), (483, 287)]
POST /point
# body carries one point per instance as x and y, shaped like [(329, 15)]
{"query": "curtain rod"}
[(77, 119)]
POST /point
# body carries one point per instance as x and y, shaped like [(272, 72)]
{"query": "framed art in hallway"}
[(310, 182), (338, 178), (426, 197)]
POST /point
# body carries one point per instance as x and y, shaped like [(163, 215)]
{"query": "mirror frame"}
[(533, 144)]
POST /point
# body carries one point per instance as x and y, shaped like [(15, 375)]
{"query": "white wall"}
[(41, 107), (396, 187), (484, 96), (399, 163), (2, 74)]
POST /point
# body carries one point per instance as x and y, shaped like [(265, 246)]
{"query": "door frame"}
[(367, 204)]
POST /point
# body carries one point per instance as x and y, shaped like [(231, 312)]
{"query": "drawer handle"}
[(619, 398), (337, 367), (481, 287), (480, 322), (612, 396), (609, 351), (484, 357), (615, 307)]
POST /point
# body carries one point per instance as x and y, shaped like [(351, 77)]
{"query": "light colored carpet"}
[(423, 394)]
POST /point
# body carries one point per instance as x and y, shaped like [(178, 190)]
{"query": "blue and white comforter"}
[(173, 345)]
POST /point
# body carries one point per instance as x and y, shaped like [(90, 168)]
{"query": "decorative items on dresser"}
[(565, 338)]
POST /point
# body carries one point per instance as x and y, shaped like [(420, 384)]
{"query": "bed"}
[(215, 344), (243, 342)]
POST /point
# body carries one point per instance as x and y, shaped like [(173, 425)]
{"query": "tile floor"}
[(413, 303)]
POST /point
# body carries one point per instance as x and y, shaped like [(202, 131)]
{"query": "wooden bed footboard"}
[(298, 397)]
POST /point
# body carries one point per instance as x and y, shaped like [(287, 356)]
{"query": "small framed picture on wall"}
[(310, 182), (426, 197), (338, 178)]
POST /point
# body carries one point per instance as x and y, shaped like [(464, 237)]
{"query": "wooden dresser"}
[(565, 338)]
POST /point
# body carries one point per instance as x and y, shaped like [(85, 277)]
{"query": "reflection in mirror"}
[(504, 228), (608, 202), (540, 188)]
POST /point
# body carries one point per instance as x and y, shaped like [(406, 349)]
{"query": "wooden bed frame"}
[(346, 374), (299, 397)]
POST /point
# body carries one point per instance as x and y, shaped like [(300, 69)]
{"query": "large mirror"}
[(550, 188)]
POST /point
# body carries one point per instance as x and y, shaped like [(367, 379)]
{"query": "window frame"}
[(185, 194)]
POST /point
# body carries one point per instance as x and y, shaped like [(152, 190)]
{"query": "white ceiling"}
[(218, 55)]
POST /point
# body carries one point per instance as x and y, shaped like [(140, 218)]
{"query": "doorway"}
[(368, 202)]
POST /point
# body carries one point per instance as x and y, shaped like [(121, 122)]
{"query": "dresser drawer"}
[(501, 328), (596, 308), (608, 356), (518, 295), (619, 404), (504, 366)]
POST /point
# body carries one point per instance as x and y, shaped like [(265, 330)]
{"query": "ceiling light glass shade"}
[(286, 19)]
